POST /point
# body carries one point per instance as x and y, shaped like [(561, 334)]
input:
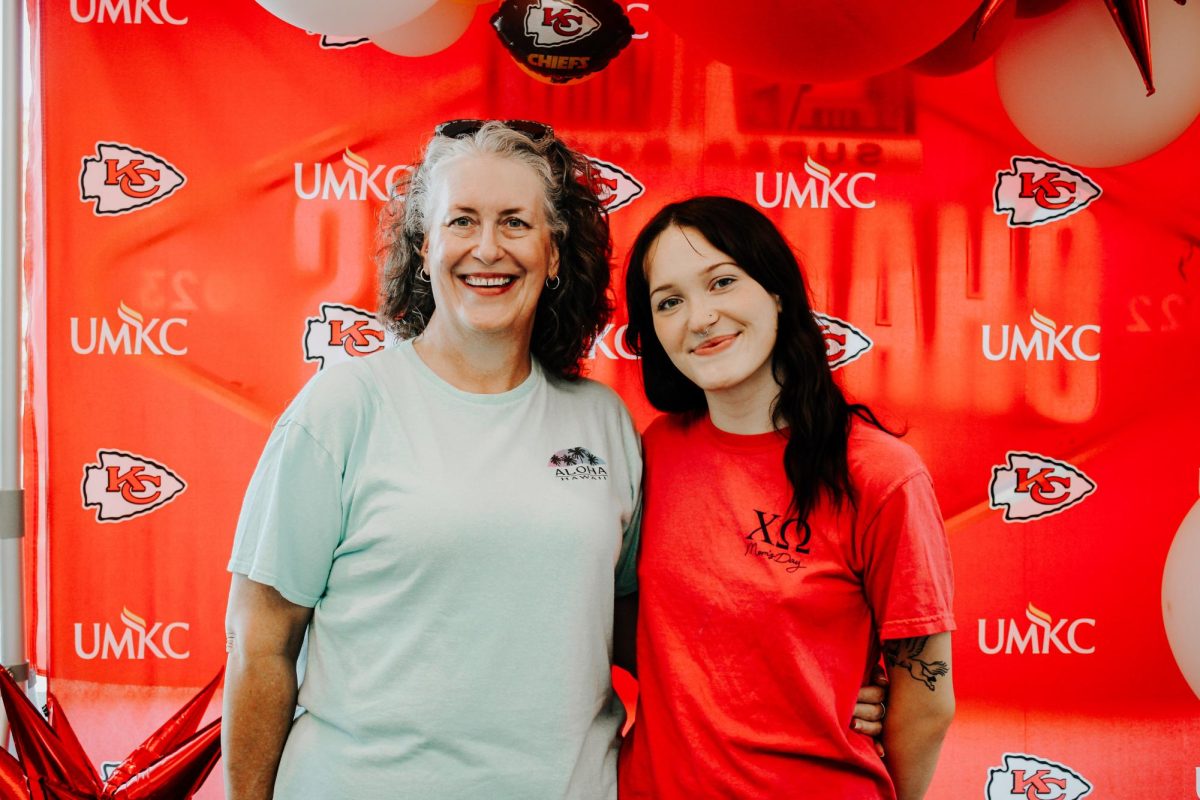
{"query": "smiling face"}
[(715, 322), (489, 248)]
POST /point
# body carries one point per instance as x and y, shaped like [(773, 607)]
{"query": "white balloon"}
[(1070, 85), (346, 17), (436, 29), (1181, 597)]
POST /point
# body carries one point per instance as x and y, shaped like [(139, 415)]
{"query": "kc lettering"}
[(357, 338), (340, 333), (131, 484), (1029, 486), (120, 179), (553, 23), (614, 187), (563, 21), (121, 485), (1037, 191), (132, 177), (1036, 785), (844, 343), (1026, 777), (611, 344), (1047, 190), (1044, 486)]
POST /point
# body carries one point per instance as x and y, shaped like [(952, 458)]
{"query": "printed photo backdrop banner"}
[(206, 185)]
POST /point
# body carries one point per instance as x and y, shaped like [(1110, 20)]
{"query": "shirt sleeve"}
[(626, 578), (907, 571), (626, 569), (291, 519)]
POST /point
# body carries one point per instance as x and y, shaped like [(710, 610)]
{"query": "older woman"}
[(450, 519)]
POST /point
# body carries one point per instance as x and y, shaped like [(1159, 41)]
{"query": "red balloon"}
[(815, 40), (170, 735), (66, 734), (1036, 8), (40, 749), (561, 42), (13, 785), (180, 774), (1132, 19), (967, 48)]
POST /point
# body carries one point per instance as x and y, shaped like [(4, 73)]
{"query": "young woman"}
[(786, 539)]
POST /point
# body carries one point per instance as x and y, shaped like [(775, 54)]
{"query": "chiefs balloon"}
[(562, 41)]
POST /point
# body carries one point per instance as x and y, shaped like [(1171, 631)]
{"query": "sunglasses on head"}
[(457, 128)]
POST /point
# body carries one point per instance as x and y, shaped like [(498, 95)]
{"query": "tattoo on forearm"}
[(230, 639), (902, 654)]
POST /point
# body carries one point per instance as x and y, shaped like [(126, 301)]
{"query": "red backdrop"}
[(207, 181)]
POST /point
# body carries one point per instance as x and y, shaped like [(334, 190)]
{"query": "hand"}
[(870, 710)]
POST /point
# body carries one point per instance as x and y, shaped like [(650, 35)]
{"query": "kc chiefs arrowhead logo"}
[(340, 334), (1030, 486), (1037, 191), (552, 23), (843, 342), (1031, 778), (122, 485), (614, 187), (121, 179)]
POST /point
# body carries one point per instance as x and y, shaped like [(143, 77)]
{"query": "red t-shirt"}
[(755, 632)]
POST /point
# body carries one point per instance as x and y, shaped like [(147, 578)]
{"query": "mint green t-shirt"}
[(461, 553)]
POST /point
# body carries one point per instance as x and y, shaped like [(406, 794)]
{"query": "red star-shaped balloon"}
[(51, 765), (1133, 20)]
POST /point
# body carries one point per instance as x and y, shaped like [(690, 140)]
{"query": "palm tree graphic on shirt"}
[(572, 456)]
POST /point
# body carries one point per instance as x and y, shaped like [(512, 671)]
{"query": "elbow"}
[(936, 720)]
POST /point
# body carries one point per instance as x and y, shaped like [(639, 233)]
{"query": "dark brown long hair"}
[(568, 318), (810, 402)]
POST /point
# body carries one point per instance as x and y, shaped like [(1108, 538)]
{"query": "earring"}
[(553, 282), (422, 275)]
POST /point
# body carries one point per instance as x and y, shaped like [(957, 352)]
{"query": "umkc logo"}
[(130, 12), (1032, 778), (1040, 636), (122, 485), (614, 187), (843, 342), (553, 23), (134, 640), (1042, 344), (341, 333), (1030, 486), (357, 181), (1037, 191), (820, 189), (131, 338), (121, 179)]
